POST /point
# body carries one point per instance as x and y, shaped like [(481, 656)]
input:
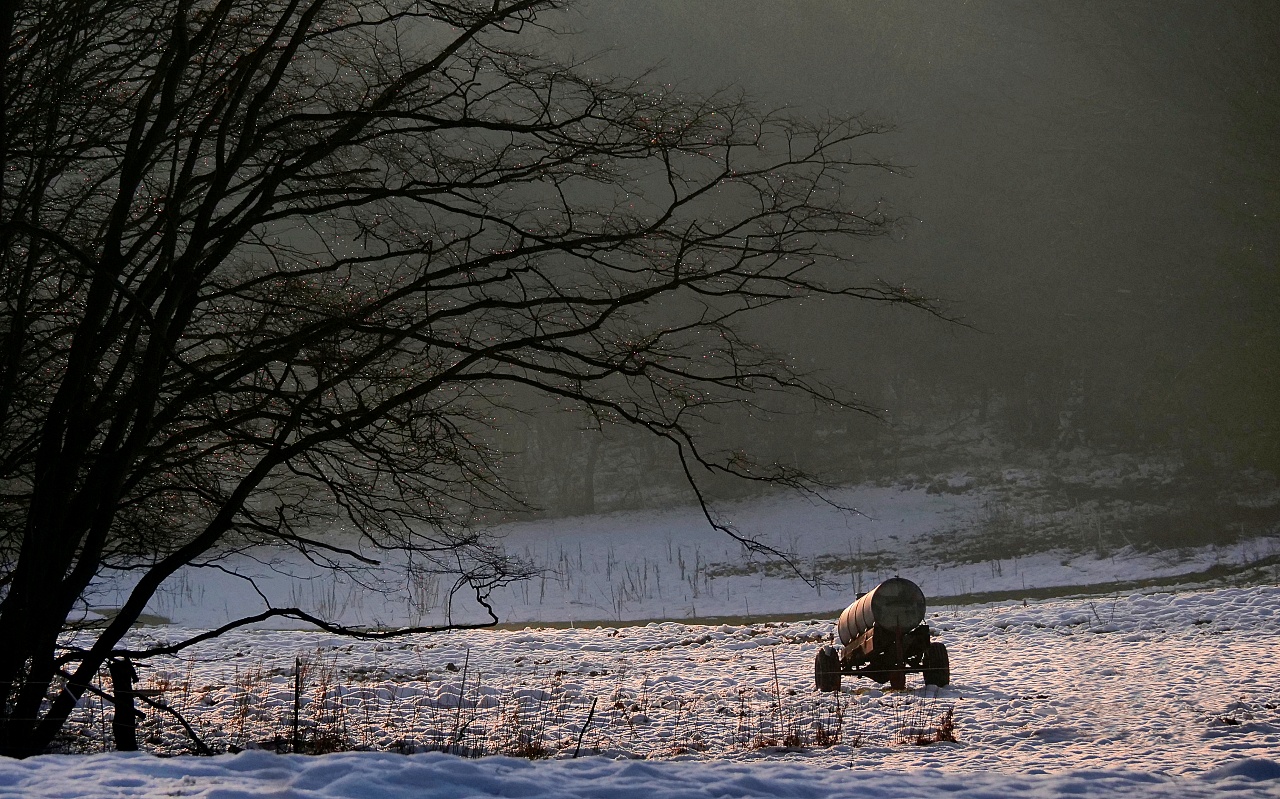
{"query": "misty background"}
[(1092, 187)]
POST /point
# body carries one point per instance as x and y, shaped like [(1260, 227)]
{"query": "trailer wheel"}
[(937, 666), (826, 670)]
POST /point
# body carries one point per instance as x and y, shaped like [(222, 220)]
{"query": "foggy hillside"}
[(1090, 189)]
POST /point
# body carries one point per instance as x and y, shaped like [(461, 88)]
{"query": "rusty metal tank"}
[(897, 604)]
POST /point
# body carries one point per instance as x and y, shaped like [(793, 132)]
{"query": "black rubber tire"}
[(826, 670), (937, 665)]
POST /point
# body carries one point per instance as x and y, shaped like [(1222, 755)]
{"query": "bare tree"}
[(272, 263)]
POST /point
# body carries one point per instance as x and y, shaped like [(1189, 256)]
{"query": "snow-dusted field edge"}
[(1168, 684)]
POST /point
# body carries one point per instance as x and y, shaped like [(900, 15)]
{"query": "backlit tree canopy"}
[(271, 263)]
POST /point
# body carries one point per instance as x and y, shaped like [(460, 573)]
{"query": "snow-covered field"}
[(672, 565), (1145, 692), (1149, 694)]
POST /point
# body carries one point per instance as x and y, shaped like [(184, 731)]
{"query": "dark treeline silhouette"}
[(1094, 187)]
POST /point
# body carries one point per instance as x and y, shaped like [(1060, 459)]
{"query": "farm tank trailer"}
[(882, 637)]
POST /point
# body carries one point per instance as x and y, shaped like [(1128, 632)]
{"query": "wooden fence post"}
[(124, 722)]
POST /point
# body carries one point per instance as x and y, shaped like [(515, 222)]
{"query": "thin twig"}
[(583, 731)]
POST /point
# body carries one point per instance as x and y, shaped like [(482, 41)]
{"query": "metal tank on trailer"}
[(882, 636), (896, 604)]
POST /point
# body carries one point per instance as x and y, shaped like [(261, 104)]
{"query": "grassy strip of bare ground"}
[(1260, 572), (311, 709)]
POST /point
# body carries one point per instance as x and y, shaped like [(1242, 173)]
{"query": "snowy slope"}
[(1145, 693), (672, 565)]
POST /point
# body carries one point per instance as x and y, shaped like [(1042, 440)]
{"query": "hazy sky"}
[(1076, 169)]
